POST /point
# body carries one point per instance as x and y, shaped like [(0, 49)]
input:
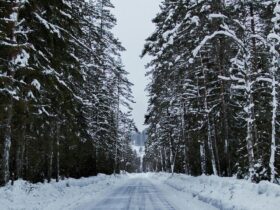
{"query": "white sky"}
[(134, 26)]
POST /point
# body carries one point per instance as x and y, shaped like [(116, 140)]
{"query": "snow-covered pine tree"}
[(14, 59), (249, 73), (216, 55), (273, 39), (58, 89)]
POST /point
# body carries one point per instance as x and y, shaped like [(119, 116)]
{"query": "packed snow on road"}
[(142, 191)]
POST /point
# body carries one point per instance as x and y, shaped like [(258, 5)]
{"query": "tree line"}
[(214, 102), (64, 94)]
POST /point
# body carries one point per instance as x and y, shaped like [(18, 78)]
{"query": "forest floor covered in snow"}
[(225, 193), (65, 194), (185, 192)]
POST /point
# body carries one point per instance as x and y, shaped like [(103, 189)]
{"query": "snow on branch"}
[(209, 37), (57, 29), (212, 16), (53, 28), (274, 36), (263, 40)]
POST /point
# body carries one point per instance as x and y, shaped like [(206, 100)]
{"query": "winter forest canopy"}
[(65, 99), (214, 98), (64, 92)]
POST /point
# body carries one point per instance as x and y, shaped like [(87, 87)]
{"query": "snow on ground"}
[(225, 193), (179, 200), (142, 193), (64, 195), (180, 191)]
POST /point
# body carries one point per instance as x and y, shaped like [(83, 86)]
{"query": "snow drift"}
[(226, 193), (65, 194), (220, 192)]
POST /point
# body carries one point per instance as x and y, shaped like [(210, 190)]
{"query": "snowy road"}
[(136, 194), (147, 191), (143, 194)]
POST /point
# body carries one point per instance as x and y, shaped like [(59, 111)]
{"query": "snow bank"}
[(66, 194), (225, 193), (213, 191)]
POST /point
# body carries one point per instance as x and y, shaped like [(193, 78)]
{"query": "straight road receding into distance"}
[(142, 193)]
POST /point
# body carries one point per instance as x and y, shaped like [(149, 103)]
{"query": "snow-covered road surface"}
[(137, 193), (144, 194)]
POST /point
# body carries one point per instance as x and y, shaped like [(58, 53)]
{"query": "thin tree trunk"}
[(253, 29), (94, 158), (209, 128), (187, 164), (172, 156), (166, 160), (274, 112), (18, 161), (216, 150), (161, 160), (118, 124), (5, 170), (20, 153), (210, 145), (202, 157), (224, 109), (185, 138), (254, 61), (250, 120), (201, 142), (57, 153), (115, 158), (273, 132), (171, 161), (23, 159), (50, 160)]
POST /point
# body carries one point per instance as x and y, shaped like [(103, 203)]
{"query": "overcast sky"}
[(134, 26)]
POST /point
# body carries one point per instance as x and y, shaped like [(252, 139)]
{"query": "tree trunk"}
[(210, 146), (20, 153), (50, 160), (172, 155), (202, 157), (273, 71), (225, 132), (254, 61), (94, 158), (273, 132), (253, 27), (5, 170), (216, 149), (185, 138), (250, 120), (167, 162), (187, 156), (161, 160), (209, 127), (57, 153)]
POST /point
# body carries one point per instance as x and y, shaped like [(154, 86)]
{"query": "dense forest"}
[(65, 99), (214, 89), (64, 94)]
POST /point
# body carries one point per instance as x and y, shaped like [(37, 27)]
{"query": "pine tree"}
[(63, 88), (273, 41), (211, 66), (14, 59)]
